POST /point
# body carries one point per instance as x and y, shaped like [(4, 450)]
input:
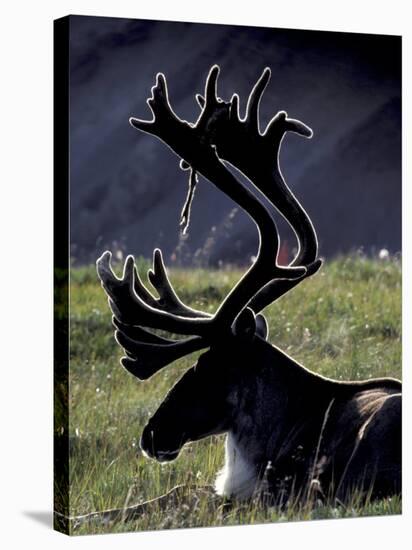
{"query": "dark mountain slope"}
[(127, 186)]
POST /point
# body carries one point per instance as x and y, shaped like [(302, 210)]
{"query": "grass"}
[(344, 323)]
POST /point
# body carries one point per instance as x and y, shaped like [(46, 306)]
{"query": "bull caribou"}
[(287, 428)]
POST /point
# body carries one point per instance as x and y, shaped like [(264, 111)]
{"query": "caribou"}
[(288, 430)]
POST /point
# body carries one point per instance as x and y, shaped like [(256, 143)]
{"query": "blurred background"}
[(127, 189)]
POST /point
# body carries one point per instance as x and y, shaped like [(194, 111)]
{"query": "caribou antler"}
[(168, 299), (256, 154), (218, 132)]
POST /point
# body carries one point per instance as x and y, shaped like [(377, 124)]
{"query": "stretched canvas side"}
[(61, 275)]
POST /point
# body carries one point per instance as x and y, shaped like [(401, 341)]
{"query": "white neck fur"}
[(238, 477)]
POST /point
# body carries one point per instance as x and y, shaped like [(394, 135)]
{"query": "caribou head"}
[(273, 409)]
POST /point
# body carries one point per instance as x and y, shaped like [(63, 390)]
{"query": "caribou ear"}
[(262, 328), (245, 324)]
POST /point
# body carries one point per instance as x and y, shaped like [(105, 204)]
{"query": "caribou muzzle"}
[(163, 447)]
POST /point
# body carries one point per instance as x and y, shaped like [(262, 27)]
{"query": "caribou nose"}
[(147, 441)]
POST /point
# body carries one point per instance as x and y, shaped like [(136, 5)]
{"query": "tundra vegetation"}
[(297, 443), (345, 323)]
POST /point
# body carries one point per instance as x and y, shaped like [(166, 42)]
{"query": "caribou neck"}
[(270, 411)]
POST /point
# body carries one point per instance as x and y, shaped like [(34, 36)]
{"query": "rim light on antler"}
[(218, 135)]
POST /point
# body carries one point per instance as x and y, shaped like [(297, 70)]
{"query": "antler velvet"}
[(218, 134)]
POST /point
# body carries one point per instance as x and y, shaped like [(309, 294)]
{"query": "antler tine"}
[(163, 114), (168, 299), (211, 86), (210, 99), (252, 109), (142, 291), (280, 124), (234, 115)]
